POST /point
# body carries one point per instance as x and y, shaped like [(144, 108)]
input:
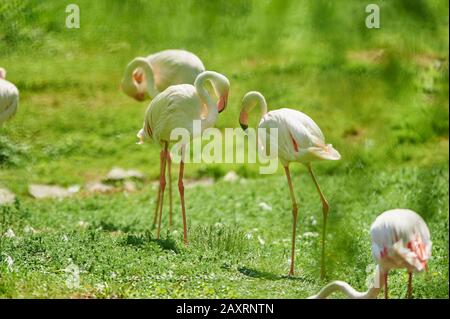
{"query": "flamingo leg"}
[(155, 215), (386, 292), (410, 275), (325, 210), (294, 215), (169, 171), (181, 190), (162, 183)]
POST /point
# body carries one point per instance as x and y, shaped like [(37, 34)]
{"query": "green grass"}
[(387, 116)]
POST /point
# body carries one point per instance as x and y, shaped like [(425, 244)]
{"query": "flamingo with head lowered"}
[(145, 77), (400, 239), (9, 98), (179, 106), (299, 140)]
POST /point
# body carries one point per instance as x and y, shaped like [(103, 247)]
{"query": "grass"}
[(380, 96)]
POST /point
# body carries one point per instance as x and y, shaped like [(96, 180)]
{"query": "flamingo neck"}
[(205, 97), (149, 80), (349, 291), (250, 100)]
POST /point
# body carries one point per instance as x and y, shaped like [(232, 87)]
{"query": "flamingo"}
[(145, 77), (400, 239), (299, 140), (9, 98), (179, 106)]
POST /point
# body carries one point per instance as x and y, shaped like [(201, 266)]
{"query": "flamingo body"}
[(9, 98), (146, 77), (299, 137)]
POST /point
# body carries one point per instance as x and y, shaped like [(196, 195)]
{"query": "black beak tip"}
[(221, 110), (244, 127)]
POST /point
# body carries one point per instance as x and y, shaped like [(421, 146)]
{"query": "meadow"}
[(379, 95)]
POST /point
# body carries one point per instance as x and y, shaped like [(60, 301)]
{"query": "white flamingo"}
[(299, 140), (400, 239), (9, 98), (179, 106), (145, 77)]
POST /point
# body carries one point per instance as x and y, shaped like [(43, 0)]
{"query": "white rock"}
[(97, 187), (74, 189), (118, 174), (6, 197), (265, 206), (129, 186), (48, 191), (231, 177)]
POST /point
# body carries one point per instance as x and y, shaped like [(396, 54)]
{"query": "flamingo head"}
[(2, 73), (223, 100), (135, 86), (243, 120)]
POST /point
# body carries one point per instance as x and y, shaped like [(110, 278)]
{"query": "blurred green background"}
[(379, 95)]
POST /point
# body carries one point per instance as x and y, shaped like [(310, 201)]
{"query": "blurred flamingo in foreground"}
[(299, 140), (9, 98), (400, 239), (145, 77), (178, 107)]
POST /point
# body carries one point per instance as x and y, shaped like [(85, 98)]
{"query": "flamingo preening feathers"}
[(145, 77), (179, 106), (400, 239), (299, 140), (9, 98)]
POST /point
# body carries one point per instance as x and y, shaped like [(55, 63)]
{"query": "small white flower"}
[(10, 233), (9, 262), (248, 236), (65, 238), (218, 225), (83, 224), (113, 274), (265, 206), (310, 235), (28, 229), (261, 240)]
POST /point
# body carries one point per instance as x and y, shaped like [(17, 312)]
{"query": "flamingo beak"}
[(243, 120), (138, 77), (222, 102)]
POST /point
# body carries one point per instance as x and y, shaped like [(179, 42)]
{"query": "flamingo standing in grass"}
[(400, 239), (179, 106), (145, 77), (9, 98), (299, 140)]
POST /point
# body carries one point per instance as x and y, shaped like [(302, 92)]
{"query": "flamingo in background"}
[(178, 107), (145, 77), (9, 98), (400, 239), (299, 140)]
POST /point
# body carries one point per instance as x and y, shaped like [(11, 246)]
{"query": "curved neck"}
[(250, 100), (206, 98), (346, 289), (148, 80)]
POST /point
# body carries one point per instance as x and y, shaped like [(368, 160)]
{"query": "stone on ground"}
[(48, 191), (6, 196)]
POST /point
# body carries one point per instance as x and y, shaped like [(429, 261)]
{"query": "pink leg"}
[(181, 190), (294, 215), (410, 285), (169, 171), (163, 187), (325, 209), (155, 215), (386, 295)]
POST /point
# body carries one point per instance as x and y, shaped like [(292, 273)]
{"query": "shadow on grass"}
[(143, 239), (254, 273)]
